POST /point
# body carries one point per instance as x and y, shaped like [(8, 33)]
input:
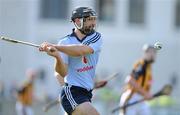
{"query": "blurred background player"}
[(25, 95), (77, 62), (139, 84)]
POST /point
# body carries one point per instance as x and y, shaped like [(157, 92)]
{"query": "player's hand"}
[(45, 46), (100, 84), (52, 51), (49, 48)]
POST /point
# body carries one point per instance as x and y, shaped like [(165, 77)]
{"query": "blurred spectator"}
[(25, 95), (12, 90)]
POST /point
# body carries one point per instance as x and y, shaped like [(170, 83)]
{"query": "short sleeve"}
[(95, 43), (63, 55)]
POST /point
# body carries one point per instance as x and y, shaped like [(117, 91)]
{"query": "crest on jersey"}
[(84, 60)]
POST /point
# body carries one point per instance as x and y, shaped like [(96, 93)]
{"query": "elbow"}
[(63, 75), (60, 74)]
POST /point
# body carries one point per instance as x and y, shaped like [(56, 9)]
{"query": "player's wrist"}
[(58, 47)]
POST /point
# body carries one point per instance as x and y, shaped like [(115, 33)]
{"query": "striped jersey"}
[(81, 70), (142, 74), (25, 94)]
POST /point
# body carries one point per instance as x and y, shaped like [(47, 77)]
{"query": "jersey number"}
[(84, 60)]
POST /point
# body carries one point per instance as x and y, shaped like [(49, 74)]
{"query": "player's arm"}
[(60, 67), (81, 49), (71, 50), (75, 49)]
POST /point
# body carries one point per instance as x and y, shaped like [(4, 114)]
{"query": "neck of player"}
[(79, 34)]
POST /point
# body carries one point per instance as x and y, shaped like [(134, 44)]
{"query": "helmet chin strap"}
[(81, 24), (80, 28)]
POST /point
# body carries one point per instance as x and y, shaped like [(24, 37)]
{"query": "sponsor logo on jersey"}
[(87, 68)]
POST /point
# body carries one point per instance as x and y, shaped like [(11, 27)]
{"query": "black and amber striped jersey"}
[(24, 93), (142, 74)]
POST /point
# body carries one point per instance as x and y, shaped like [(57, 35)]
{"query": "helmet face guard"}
[(82, 13)]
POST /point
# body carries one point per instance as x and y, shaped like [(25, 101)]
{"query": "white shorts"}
[(137, 109), (21, 109)]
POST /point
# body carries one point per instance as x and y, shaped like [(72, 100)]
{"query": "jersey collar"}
[(73, 34)]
